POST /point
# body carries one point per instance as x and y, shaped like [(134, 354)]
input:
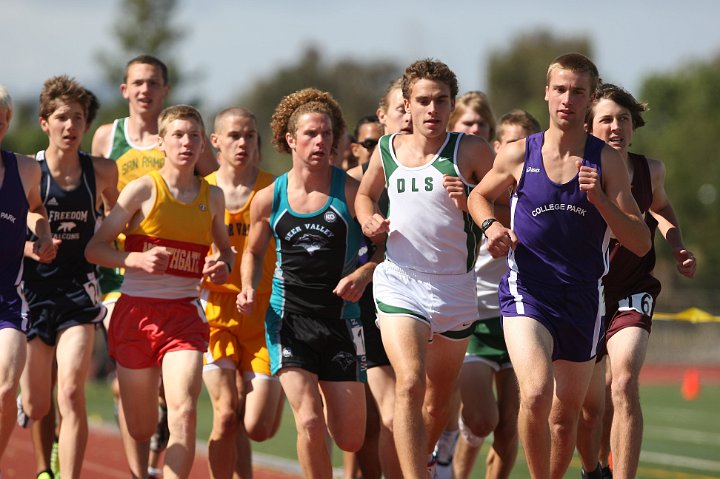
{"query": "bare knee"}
[(312, 428), (225, 423), (259, 429), (410, 388), (71, 398), (480, 423), (625, 390)]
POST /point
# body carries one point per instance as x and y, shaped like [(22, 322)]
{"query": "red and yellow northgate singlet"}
[(185, 229), (238, 227)]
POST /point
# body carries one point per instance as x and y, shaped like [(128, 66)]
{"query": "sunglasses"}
[(368, 143)]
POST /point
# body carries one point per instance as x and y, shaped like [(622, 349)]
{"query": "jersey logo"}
[(344, 359), (330, 216), (311, 242), (66, 226), (52, 202), (531, 169), (427, 185), (203, 207), (7, 216)]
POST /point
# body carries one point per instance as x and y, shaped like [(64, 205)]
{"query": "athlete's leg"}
[(182, 378), (263, 400), (571, 384), (627, 350), (444, 360), (345, 412), (465, 456), (36, 381), (221, 387), (43, 437), (368, 455), (502, 454), (607, 417), (302, 390), (74, 353), (480, 410), (381, 380), (591, 419), (136, 452), (12, 361), (405, 340), (530, 347)]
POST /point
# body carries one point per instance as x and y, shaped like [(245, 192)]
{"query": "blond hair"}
[(179, 112)]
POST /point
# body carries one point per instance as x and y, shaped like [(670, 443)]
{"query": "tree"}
[(356, 85), (681, 130), (142, 26), (516, 75)]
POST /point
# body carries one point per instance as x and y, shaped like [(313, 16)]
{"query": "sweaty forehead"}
[(427, 87), (143, 71)]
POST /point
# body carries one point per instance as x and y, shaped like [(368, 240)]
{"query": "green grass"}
[(682, 438)]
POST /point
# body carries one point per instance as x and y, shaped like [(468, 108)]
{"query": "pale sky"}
[(234, 43)]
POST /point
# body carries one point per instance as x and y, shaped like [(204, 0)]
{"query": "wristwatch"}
[(486, 224)]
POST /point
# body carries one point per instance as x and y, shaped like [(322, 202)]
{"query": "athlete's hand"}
[(351, 287), (686, 262), (217, 272), (153, 261), (456, 191), (42, 250), (500, 240), (589, 180), (245, 301), (375, 225)]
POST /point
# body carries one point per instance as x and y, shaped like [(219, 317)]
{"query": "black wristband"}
[(486, 224)]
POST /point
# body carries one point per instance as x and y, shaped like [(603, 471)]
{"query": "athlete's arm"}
[(366, 208), (503, 175), (137, 194), (258, 239), (351, 287), (106, 180), (668, 224), (613, 199), (101, 140), (217, 269), (43, 249)]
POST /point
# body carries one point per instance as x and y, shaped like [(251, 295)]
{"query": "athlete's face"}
[(311, 144), (237, 141), (368, 136), (509, 134), (396, 119), (145, 89), (568, 97), (472, 123), (65, 126), (612, 123), (430, 106), (182, 143)]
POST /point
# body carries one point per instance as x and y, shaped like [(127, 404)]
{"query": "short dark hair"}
[(620, 96), (148, 60), (364, 121)]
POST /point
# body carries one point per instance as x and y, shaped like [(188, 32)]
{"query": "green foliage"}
[(681, 130), (143, 27), (356, 85), (516, 75)]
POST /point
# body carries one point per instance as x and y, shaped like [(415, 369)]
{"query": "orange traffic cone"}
[(691, 384)]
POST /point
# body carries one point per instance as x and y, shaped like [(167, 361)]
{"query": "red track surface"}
[(104, 458)]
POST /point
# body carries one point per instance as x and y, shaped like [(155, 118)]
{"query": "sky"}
[(234, 43)]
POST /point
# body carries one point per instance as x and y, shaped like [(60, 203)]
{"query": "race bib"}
[(640, 302)]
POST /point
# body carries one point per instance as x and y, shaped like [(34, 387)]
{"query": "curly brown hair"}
[(620, 96), (309, 100), (61, 90), (429, 69)]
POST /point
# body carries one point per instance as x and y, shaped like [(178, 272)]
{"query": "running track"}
[(105, 458)]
